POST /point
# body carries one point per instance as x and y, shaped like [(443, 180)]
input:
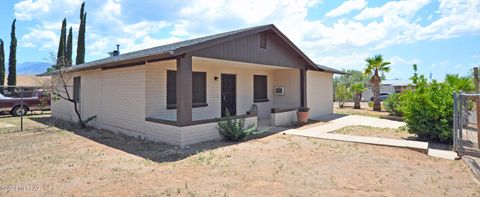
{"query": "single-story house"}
[(176, 93), (387, 86)]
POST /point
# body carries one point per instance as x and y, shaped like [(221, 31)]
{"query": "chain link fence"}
[(465, 124), (24, 108)]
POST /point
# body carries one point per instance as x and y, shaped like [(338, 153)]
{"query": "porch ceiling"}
[(235, 64)]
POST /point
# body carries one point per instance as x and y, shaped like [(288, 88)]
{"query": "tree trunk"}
[(357, 99), (375, 80), (80, 121), (376, 100)]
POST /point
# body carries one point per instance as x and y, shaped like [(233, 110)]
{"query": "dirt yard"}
[(56, 162), (375, 132)]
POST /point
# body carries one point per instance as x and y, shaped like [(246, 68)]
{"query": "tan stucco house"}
[(176, 93)]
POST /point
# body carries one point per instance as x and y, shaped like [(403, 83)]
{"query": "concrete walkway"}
[(421, 146), (336, 122)]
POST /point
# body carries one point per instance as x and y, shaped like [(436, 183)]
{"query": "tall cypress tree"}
[(2, 65), (61, 53), (81, 36), (69, 48), (12, 59)]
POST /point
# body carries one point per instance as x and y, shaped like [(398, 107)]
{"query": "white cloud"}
[(25, 9), (203, 18), (456, 17), (143, 28), (351, 61), (347, 7), (149, 42), (405, 8), (402, 61), (41, 9), (38, 38), (110, 10)]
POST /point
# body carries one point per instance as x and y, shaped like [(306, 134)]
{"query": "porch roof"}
[(176, 49)]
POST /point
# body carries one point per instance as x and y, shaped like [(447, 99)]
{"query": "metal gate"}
[(465, 124)]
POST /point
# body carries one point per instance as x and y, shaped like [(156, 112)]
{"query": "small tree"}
[(428, 110), (356, 80), (81, 36), (375, 65), (60, 87), (342, 94), (357, 90), (12, 59), (62, 50), (68, 50)]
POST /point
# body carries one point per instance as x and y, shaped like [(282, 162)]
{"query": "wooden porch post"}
[(303, 88), (184, 89)]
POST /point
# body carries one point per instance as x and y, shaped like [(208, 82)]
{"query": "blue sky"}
[(440, 36)]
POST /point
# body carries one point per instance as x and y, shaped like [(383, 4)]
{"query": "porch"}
[(203, 89)]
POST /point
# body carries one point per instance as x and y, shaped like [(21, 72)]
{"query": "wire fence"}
[(465, 124), (23, 108)]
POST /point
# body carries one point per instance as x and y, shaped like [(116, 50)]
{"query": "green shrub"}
[(428, 110), (393, 104), (234, 129), (370, 103)]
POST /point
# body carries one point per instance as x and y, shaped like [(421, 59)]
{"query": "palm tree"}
[(459, 83), (375, 65)]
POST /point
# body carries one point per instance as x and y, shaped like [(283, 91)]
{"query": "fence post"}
[(22, 107), (455, 111), (477, 101), (460, 121)]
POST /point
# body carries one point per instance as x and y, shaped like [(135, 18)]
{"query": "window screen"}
[(260, 88), (199, 87), (76, 89)]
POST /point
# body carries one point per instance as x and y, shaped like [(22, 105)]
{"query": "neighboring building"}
[(176, 93), (388, 86), (26, 80)]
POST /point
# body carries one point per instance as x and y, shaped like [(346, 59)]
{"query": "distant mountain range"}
[(30, 68)]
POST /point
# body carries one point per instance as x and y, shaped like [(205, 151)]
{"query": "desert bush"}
[(428, 110), (393, 104), (370, 104), (234, 129)]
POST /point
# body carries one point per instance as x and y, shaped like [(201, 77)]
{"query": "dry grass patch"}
[(375, 132), (364, 111), (28, 124)]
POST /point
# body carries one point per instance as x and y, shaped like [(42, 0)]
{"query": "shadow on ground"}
[(154, 151)]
